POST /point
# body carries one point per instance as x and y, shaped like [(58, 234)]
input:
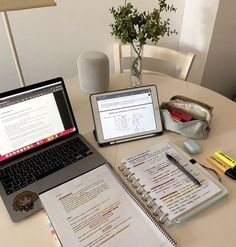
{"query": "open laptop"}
[(40, 145)]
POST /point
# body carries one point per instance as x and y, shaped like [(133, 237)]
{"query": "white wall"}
[(49, 40), (198, 23), (220, 69)]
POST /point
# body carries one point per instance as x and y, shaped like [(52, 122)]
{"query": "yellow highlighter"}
[(222, 167), (226, 159)]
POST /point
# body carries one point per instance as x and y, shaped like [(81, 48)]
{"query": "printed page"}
[(173, 191), (95, 210)]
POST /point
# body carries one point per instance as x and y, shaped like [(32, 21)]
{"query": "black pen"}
[(189, 175)]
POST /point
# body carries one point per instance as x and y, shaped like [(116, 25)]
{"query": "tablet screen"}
[(125, 113)]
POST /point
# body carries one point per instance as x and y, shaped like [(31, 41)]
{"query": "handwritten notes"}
[(173, 191)]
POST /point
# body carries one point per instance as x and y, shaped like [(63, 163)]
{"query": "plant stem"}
[(136, 71)]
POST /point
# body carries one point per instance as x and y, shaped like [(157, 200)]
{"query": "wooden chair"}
[(181, 60)]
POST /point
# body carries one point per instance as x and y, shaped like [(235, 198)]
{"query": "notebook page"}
[(171, 188), (94, 209)]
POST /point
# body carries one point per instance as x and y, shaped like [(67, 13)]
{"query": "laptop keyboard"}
[(43, 164)]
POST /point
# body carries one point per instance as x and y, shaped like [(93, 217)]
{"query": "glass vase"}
[(136, 66)]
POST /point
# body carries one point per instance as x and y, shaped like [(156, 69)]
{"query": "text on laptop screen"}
[(32, 118), (126, 113)]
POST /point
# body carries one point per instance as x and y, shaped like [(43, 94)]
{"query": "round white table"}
[(213, 227)]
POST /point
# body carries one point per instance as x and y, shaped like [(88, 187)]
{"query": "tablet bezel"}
[(97, 120)]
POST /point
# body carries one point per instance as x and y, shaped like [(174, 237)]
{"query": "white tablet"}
[(126, 115)]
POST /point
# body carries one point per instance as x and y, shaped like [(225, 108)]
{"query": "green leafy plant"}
[(136, 28), (132, 26)]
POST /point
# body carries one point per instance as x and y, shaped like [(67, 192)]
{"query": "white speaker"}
[(93, 71)]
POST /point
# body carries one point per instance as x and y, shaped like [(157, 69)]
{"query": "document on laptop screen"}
[(27, 122)]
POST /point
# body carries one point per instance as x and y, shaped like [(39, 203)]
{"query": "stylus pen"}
[(189, 175)]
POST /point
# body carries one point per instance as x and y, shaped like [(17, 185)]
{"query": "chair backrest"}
[(180, 59)]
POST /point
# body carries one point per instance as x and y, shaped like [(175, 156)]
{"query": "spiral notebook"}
[(172, 196), (97, 209)]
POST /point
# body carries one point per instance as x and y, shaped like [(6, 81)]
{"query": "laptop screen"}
[(32, 118)]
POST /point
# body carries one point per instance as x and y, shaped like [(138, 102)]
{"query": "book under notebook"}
[(171, 194)]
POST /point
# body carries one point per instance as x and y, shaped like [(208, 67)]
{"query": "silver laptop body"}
[(40, 145)]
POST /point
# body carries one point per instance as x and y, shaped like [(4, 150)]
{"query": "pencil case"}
[(187, 117)]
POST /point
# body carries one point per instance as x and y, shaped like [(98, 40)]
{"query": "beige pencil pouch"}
[(198, 127)]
